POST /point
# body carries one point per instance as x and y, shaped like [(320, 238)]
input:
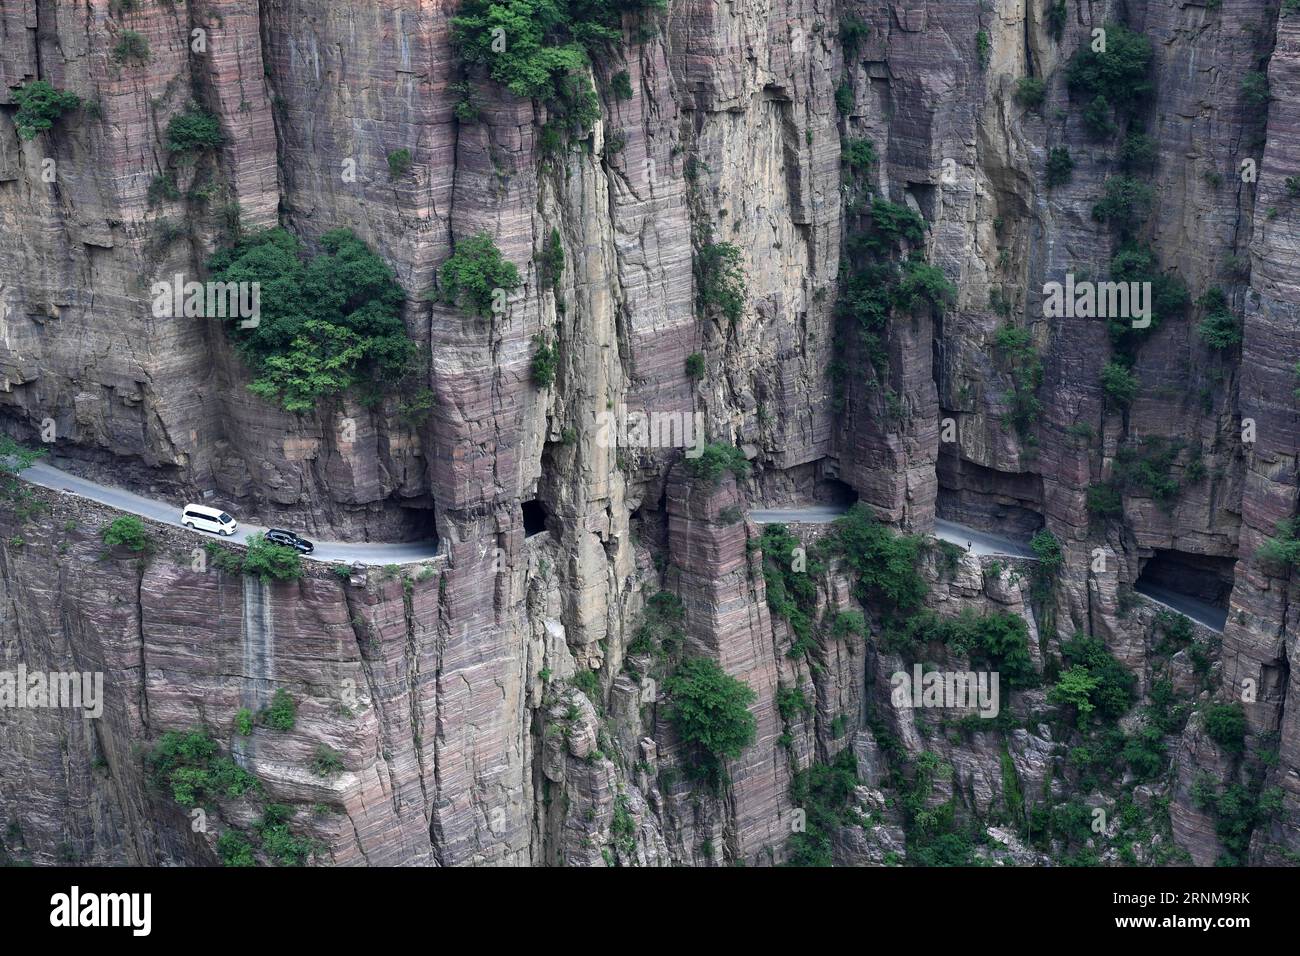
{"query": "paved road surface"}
[(166, 512), (985, 543), (1202, 612)]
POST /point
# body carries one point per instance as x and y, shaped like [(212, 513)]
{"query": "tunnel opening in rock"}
[(1202, 577), (837, 493), (1005, 502), (535, 515), (422, 524)]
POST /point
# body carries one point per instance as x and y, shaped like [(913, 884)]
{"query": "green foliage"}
[(1031, 92), (844, 98), (1149, 466), (661, 625), (852, 31), (1122, 74), (399, 163), (1169, 297), (1226, 726), (885, 563), (244, 722), (282, 713), (279, 842), (550, 262), (1095, 682), (464, 110), (326, 761), (983, 48), (1236, 810), (710, 712), (475, 271), (546, 361), (1283, 551), (791, 593), (1014, 347), (548, 47), (858, 155), (39, 106), (1119, 383), (1105, 501), (892, 224), (714, 460), (998, 641), (719, 279), (621, 84), (127, 531), (189, 766), (1060, 166), (131, 48), (825, 793), (1097, 118), (922, 282), (588, 681), (1138, 152), (1056, 16), (269, 561), (193, 131), (1126, 204), (695, 365), (1254, 89), (1219, 328), (792, 704), (1145, 753), (235, 850), (327, 323)]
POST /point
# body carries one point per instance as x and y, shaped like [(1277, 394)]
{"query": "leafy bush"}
[(714, 460), (327, 323), (844, 98), (825, 794), (282, 713), (127, 531), (710, 712), (1105, 501), (983, 48), (243, 722), (474, 273), (719, 279), (1119, 383), (1219, 328), (1122, 74), (1056, 15), (193, 131), (1226, 726), (999, 641), (235, 850), (621, 84), (661, 625), (858, 154), (39, 106), (695, 365), (269, 561), (885, 562), (1031, 92), (1014, 347), (1094, 681), (190, 767), (791, 594), (550, 261), (1254, 89), (792, 704), (1126, 203), (326, 761), (399, 163), (1169, 296), (892, 223), (131, 48), (1283, 551), (1060, 166), (920, 282), (1097, 118), (546, 360), (1138, 152)]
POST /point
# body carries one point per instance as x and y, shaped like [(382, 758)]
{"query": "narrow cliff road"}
[(984, 543), (164, 512)]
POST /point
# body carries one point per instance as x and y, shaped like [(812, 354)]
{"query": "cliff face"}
[(493, 706)]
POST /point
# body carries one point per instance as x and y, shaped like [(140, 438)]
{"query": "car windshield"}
[(225, 518)]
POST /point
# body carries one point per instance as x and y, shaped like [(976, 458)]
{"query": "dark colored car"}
[(290, 540)]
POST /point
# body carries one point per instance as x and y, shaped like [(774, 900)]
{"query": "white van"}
[(208, 519)]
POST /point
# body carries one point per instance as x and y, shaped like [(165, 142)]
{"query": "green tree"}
[(1226, 726), (271, 562), (1119, 383), (710, 712), (39, 106), (127, 531), (475, 272)]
